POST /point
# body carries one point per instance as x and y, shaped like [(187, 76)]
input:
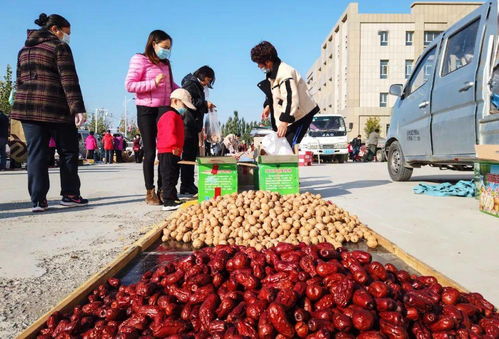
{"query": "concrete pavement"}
[(45, 256)]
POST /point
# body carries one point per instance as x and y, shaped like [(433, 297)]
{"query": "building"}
[(365, 53)]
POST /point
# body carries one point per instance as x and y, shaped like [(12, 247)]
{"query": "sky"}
[(218, 33)]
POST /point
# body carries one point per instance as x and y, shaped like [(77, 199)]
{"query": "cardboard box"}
[(216, 176), (278, 173), (488, 187), (487, 152), (247, 176)]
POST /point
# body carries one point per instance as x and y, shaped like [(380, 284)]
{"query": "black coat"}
[(193, 120)]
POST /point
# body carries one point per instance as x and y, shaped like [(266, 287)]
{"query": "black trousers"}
[(146, 119), (90, 154), (119, 156), (66, 139), (109, 156), (297, 130), (138, 156), (52, 156), (169, 173), (189, 153)]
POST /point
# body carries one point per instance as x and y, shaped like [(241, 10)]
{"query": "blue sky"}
[(105, 34)]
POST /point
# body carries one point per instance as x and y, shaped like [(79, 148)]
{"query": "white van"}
[(447, 105), (327, 138)]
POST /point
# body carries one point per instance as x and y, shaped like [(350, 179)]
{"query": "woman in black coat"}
[(196, 84)]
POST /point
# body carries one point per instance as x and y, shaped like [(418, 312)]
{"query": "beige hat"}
[(184, 96)]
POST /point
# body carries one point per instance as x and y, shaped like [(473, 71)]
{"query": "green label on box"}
[(281, 178), (212, 177)]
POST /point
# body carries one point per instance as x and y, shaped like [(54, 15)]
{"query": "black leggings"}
[(146, 119)]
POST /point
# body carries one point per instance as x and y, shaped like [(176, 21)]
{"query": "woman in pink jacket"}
[(150, 78), (90, 145)]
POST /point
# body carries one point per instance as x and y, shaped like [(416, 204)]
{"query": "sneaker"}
[(171, 205), (192, 190), (72, 202), (40, 206)]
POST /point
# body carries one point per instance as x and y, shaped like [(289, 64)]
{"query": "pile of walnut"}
[(263, 219)]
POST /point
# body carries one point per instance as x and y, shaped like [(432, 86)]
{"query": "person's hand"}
[(201, 138), (211, 106), (159, 78), (282, 129), (266, 113), (80, 119)]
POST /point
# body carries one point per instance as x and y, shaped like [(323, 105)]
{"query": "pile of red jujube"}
[(287, 291)]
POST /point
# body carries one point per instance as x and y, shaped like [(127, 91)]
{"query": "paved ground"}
[(43, 257)]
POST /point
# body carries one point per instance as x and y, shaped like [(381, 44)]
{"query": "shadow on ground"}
[(327, 188), (54, 207)]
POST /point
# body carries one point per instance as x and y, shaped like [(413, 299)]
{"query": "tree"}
[(132, 128), (5, 89), (234, 125), (372, 124), (102, 124)]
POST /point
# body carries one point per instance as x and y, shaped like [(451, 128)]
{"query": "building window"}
[(383, 69), (408, 68), (383, 38), (383, 99), (460, 48), (429, 36), (409, 35)]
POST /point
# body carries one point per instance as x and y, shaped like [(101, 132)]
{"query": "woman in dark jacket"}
[(49, 101), (196, 84)]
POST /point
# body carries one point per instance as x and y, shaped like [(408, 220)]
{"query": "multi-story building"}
[(365, 53)]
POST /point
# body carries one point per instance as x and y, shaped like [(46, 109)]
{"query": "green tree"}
[(103, 124), (132, 128), (235, 125), (6, 86), (372, 124)]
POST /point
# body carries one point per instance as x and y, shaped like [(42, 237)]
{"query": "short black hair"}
[(205, 72), (238, 135), (91, 132), (376, 130), (264, 52), (108, 131)]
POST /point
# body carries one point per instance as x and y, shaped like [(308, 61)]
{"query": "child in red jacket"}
[(170, 142)]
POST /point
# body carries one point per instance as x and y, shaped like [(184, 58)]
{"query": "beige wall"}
[(345, 78)]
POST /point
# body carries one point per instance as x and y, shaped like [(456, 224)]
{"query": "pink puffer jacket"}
[(141, 81), (90, 143)]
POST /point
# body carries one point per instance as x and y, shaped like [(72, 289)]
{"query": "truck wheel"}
[(396, 163), (380, 156)]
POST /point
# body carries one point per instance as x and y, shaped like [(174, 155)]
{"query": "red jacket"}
[(170, 137), (107, 140)]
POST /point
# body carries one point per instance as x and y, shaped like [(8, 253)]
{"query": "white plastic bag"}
[(273, 145), (212, 128)]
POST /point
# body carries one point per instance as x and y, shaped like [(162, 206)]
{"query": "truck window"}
[(423, 72), (460, 48), (324, 125)]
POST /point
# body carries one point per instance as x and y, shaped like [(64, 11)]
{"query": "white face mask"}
[(65, 38)]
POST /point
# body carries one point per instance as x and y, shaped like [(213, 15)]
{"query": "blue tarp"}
[(462, 189)]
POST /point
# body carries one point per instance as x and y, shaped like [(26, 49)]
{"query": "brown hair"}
[(264, 52), (156, 36)]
